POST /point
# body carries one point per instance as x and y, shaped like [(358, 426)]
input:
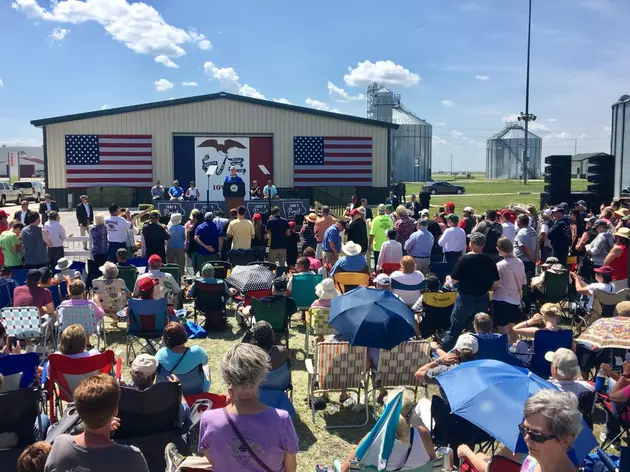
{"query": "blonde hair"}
[(72, 340), (401, 211), (99, 219), (76, 287), (551, 309), (193, 213), (623, 309), (505, 245), (407, 265), (406, 409)]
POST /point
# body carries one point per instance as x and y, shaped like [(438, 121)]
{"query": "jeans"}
[(466, 307)]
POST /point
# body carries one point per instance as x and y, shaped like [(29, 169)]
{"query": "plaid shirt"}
[(404, 228)]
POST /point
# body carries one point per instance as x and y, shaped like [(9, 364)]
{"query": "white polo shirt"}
[(117, 229), (453, 240)]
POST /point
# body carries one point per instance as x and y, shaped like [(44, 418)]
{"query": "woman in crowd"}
[(533, 217), (192, 192), (47, 278), (391, 250), (73, 343), (617, 258), (549, 318), (110, 292), (325, 291), (270, 433), (506, 299), (175, 246), (57, 235), (404, 225), (258, 242), (98, 238), (413, 446), (577, 228), (191, 245), (308, 233), (309, 253), (262, 335), (131, 232), (76, 290), (411, 278), (177, 358), (441, 219), (552, 421)]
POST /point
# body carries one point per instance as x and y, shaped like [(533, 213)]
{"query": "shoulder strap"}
[(412, 435), (242, 439), (178, 362)]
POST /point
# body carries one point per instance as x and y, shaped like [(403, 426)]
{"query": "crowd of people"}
[(496, 263)]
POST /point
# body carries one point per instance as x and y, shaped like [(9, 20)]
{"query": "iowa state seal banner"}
[(193, 155)]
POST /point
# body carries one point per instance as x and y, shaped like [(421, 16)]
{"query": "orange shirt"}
[(321, 225)]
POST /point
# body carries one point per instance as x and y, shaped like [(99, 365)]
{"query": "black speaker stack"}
[(557, 180)]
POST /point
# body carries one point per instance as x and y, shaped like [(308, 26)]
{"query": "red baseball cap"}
[(154, 259), (146, 284), (605, 270), (292, 224), (3, 214)]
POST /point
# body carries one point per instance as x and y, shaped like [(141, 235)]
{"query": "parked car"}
[(435, 188), (30, 190), (9, 194)]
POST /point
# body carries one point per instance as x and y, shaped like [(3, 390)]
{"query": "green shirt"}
[(8, 240), (379, 228)]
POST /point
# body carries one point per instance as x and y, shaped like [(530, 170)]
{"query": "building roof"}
[(404, 117), (585, 156), (207, 98), (514, 131)]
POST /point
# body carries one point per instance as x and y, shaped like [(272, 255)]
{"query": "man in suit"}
[(22, 214), (47, 205), (85, 216)]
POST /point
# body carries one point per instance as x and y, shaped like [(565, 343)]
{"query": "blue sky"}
[(459, 64)]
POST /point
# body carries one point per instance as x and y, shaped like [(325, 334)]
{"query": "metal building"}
[(220, 115), (504, 153), (620, 142), (411, 142)]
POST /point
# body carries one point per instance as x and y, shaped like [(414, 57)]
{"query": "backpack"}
[(493, 233)]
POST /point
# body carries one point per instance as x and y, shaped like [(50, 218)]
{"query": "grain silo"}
[(504, 153), (411, 142), (620, 142)]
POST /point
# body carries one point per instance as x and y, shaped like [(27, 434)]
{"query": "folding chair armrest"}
[(118, 368), (308, 362)]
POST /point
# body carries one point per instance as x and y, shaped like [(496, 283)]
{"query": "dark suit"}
[(43, 209), (82, 217), (27, 218)]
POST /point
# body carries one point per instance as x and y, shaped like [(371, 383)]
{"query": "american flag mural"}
[(109, 160), (340, 161)]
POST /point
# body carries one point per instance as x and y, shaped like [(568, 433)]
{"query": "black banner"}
[(289, 209)]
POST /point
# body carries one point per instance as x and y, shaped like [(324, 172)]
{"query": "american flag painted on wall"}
[(109, 160), (338, 161)]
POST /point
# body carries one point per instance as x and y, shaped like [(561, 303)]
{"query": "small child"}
[(33, 458), (96, 400)]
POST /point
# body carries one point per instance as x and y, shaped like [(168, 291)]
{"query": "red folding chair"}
[(389, 267), (218, 401), (65, 373)]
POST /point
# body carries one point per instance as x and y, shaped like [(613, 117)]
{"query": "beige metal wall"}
[(220, 117)]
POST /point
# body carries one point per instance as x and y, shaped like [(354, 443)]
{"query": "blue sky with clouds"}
[(458, 64)]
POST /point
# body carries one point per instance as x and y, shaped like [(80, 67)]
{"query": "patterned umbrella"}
[(248, 278), (607, 333)]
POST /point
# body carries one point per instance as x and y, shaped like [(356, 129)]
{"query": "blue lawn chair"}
[(18, 371), (138, 262), (545, 341), (497, 348), (6, 294), (59, 292), (440, 270), (146, 320), (19, 275), (273, 390), (192, 382)]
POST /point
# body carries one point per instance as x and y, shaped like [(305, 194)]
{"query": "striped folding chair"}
[(26, 323), (85, 316)]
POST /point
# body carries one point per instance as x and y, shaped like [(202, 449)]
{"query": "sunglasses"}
[(535, 435)]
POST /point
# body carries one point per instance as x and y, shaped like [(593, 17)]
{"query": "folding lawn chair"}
[(436, 312), (604, 303), (65, 373), (497, 348), (138, 262), (19, 275), (202, 259), (346, 281), (146, 321), (27, 323), (150, 419), (556, 288), (621, 414), (337, 367), (129, 276), (405, 290), (59, 292), (83, 315), (221, 269), (110, 295), (276, 390), (545, 341), (242, 257), (276, 314), (172, 269), (192, 382), (303, 290), (397, 368), (389, 267), (317, 326), (18, 371), (210, 300)]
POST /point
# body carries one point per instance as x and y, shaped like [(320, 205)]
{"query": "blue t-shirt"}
[(175, 191), (331, 234), (178, 237), (278, 228), (195, 356), (207, 232)]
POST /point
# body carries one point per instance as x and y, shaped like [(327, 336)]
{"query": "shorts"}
[(504, 313)]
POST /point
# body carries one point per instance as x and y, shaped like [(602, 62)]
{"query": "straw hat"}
[(176, 218), (63, 264), (311, 218), (623, 233), (325, 290), (352, 248)]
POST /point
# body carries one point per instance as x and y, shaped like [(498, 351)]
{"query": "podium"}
[(234, 194)]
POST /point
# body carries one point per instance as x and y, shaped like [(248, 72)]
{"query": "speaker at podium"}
[(234, 193)]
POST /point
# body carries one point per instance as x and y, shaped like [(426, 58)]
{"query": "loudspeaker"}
[(558, 176), (601, 172)]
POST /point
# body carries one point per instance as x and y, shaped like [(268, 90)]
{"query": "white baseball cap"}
[(144, 365), (566, 363), (383, 279), (467, 341)]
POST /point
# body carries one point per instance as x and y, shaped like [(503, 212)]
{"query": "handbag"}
[(244, 443)]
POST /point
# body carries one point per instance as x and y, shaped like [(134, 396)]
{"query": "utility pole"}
[(575, 150), (451, 163), (527, 117)]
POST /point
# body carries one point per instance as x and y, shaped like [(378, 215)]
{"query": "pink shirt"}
[(100, 314), (315, 264), (321, 304)]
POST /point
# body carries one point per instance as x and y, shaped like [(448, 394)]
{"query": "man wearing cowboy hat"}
[(354, 261)]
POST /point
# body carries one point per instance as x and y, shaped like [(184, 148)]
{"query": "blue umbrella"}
[(491, 395), (372, 318)]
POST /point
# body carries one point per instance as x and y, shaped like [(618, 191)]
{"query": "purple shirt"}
[(270, 434)]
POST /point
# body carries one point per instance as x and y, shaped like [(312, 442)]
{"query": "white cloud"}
[(230, 80), (189, 84), (201, 40), (59, 34), (551, 120), (204, 44), (282, 100), (447, 103), (535, 126), (510, 118), (437, 140), (165, 60), (249, 91), (383, 72), (317, 104), (482, 77), (1, 83), (138, 25), (341, 95), (105, 107), (561, 135), (163, 85)]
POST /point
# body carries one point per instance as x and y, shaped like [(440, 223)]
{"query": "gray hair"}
[(560, 410), (505, 245), (244, 365), (423, 222), (110, 270), (478, 239)]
